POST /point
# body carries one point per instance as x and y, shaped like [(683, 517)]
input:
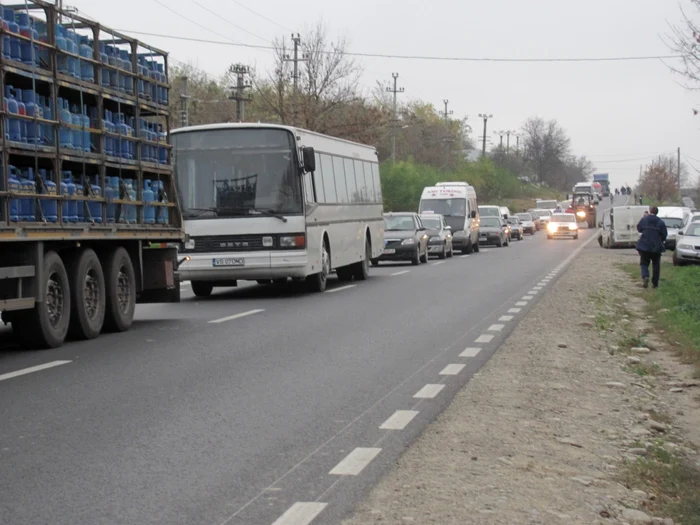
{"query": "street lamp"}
[(486, 117)]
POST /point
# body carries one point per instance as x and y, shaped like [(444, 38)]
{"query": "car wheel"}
[(374, 262), (576, 236), (500, 243), (443, 253), (476, 246), (451, 252), (415, 260), (424, 257)]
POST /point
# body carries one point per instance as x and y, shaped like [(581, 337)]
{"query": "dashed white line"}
[(399, 419), (470, 352), (437, 263), (521, 303), (533, 292), (402, 272), (428, 391), (514, 310), (526, 297), (235, 316), (496, 327), (485, 338), (32, 369), (355, 462), (347, 287), (463, 256), (301, 513), (505, 318), (537, 288), (452, 369)]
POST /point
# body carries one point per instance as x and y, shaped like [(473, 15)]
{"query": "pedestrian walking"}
[(651, 245)]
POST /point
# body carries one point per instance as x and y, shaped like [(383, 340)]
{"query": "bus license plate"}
[(228, 261)]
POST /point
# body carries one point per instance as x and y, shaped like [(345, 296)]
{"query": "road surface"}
[(260, 405)]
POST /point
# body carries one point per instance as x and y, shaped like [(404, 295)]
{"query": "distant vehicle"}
[(582, 205), (619, 226), (562, 225), (541, 216), (587, 187), (270, 202), (550, 205), (516, 228), (439, 233), (456, 201), (505, 212), (604, 180), (527, 222), (490, 211), (494, 230), (405, 239), (673, 217), (693, 216), (688, 245)]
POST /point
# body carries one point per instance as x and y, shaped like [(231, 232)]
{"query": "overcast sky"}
[(619, 114)]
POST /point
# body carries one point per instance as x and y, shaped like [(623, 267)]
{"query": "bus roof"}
[(448, 192)]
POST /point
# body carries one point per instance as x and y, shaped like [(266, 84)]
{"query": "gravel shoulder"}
[(545, 432)]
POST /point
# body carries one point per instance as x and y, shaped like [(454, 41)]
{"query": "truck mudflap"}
[(158, 282)]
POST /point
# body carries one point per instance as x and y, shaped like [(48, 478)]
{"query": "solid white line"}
[(402, 272), (236, 316), (437, 263), (301, 513), (428, 391), (505, 318), (485, 338), (496, 327), (452, 370), (470, 352), (526, 297), (514, 310), (355, 462), (399, 419), (463, 256), (347, 287), (32, 369), (521, 303)]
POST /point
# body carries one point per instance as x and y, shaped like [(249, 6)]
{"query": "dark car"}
[(516, 228), (439, 235), (493, 230), (405, 239)]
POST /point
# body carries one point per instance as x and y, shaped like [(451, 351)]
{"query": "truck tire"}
[(46, 326), (87, 284), (120, 285), (204, 289)]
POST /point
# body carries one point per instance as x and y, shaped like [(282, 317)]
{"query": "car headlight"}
[(410, 240), (580, 213), (552, 227), (573, 227), (685, 247)]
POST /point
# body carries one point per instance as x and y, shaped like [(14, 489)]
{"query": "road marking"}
[(514, 310), (301, 513), (496, 327), (470, 352), (399, 419), (521, 303), (32, 369), (437, 263), (463, 256), (428, 391), (236, 316), (526, 297), (537, 288), (452, 370), (533, 292), (505, 318), (347, 287), (485, 250), (355, 462), (544, 283), (485, 338), (402, 272)]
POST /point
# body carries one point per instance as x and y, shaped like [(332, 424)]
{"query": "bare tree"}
[(685, 41), (546, 148), (659, 180)]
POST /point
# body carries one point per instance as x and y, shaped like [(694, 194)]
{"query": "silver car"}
[(527, 222), (439, 235), (688, 245)]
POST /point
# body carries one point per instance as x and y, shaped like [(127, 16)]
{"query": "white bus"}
[(267, 202), (456, 201)]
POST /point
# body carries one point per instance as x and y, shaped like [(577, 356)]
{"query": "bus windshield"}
[(446, 207), (236, 172)]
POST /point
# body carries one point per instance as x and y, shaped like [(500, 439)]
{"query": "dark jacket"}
[(654, 234)]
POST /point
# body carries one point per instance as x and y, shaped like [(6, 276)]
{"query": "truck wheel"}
[(120, 284), (87, 284), (47, 324)]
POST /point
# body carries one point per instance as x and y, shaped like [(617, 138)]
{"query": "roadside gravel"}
[(540, 434)]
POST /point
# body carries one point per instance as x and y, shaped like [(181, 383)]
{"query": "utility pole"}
[(184, 97), (296, 39), (508, 134), (446, 114), (500, 134), (486, 117), (394, 123), (238, 94), (679, 174)]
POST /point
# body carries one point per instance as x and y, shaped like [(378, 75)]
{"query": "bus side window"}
[(367, 189), (327, 176), (309, 188), (340, 189), (377, 182), (359, 181), (350, 180)]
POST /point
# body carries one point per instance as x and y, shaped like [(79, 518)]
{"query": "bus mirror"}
[(309, 159)]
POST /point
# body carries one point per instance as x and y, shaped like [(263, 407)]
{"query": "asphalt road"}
[(261, 405)]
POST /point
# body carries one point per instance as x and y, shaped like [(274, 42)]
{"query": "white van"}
[(456, 201), (543, 204), (619, 226), (674, 217)]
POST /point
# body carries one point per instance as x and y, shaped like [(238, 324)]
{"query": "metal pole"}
[(296, 39), (483, 145), (679, 174), (394, 125)]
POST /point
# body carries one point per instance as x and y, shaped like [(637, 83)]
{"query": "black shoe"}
[(645, 284), (655, 286)]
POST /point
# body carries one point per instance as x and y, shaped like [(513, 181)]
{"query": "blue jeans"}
[(655, 259)]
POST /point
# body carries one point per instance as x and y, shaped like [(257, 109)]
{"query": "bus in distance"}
[(268, 202)]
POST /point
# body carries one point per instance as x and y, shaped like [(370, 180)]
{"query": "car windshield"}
[(524, 217), (491, 222), (446, 207), (513, 220), (672, 222), (693, 230), (563, 218), (234, 172), (399, 223), (488, 211), (432, 223)]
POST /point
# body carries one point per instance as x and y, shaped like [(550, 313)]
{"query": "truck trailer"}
[(89, 221), (604, 180)]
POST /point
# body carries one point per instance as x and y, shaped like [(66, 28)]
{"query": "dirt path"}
[(541, 435)]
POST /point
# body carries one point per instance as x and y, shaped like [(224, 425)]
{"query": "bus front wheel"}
[(317, 282), (361, 268)]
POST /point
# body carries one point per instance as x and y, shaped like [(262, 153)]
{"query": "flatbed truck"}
[(89, 221)]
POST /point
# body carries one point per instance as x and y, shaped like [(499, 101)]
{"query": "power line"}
[(260, 15), (229, 22), (233, 42), (409, 57)]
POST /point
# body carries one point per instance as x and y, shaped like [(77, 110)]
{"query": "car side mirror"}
[(422, 229), (473, 214), (680, 233), (448, 227), (309, 157)]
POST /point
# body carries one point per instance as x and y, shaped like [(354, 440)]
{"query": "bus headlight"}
[(189, 244), (292, 241)]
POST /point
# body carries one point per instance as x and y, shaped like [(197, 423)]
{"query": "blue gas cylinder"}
[(76, 132), (28, 187), (113, 73), (104, 72), (62, 45), (21, 110), (111, 193), (46, 130), (87, 71), (65, 134), (13, 180), (49, 207), (162, 197), (65, 211), (162, 151), (70, 213), (107, 127), (15, 43), (127, 80), (25, 48), (72, 45), (149, 211), (34, 134), (85, 121), (5, 39), (163, 90), (13, 109), (95, 207)]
